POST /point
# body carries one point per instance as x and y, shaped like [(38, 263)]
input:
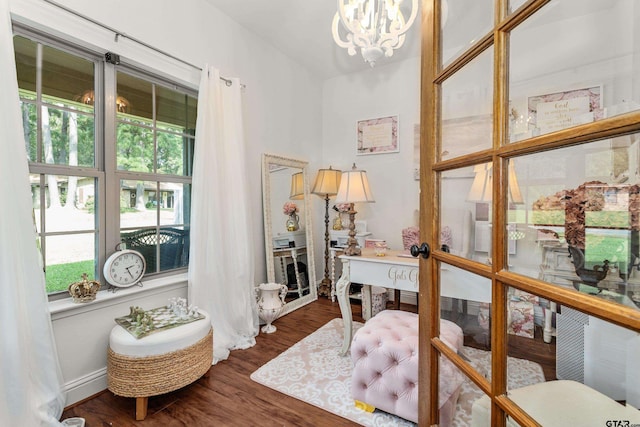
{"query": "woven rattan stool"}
[(159, 363)]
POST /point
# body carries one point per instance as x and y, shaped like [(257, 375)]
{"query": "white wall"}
[(282, 103), (387, 90)]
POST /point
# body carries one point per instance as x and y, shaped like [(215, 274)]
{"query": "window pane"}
[(467, 108), (465, 300), (171, 152), (135, 96), (563, 74), (465, 305), (29, 123), (580, 214), (464, 23), (175, 203), (548, 342), (65, 76), (163, 249), (515, 4), (26, 63), (465, 216), (64, 212), (135, 148), (171, 107), (67, 258), (138, 204), (68, 137)]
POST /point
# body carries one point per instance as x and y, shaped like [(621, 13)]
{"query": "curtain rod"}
[(119, 34)]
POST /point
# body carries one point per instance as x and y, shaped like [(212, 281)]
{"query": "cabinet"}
[(290, 257)]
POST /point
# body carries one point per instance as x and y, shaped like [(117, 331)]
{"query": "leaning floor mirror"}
[(288, 229)]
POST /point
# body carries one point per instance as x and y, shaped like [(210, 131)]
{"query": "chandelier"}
[(375, 26)]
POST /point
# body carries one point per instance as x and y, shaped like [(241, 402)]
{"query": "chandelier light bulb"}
[(376, 27)]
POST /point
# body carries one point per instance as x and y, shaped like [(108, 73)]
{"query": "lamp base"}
[(352, 244), (352, 251), (324, 290)]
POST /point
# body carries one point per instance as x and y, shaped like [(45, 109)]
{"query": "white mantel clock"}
[(124, 268)]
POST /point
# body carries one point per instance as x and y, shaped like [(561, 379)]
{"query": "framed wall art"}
[(560, 110), (378, 136)]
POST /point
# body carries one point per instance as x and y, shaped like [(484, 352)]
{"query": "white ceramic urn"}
[(270, 298)]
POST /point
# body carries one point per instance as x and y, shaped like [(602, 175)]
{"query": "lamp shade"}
[(327, 182), (297, 186), (482, 186), (354, 187)]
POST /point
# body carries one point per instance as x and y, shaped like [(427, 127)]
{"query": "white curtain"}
[(30, 379), (221, 263)]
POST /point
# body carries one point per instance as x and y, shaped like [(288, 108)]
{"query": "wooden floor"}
[(228, 397)]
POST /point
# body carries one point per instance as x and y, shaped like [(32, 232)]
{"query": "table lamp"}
[(354, 188), (326, 185), (297, 186)]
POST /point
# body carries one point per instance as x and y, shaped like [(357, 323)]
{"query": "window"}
[(105, 170)]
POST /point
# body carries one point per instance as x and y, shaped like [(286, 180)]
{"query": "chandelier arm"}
[(348, 24), (336, 33)]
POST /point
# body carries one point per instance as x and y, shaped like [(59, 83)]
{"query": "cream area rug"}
[(313, 371)]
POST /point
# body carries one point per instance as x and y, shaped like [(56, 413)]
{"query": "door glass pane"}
[(465, 212), (515, 4), (465, 325), (467, 108), (463, 24), (563, 73), (465, 300), (579, 222), (556, 350)]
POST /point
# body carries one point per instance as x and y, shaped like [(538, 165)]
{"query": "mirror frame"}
[(268, 159)]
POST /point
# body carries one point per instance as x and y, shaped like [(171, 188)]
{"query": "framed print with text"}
[(378, 136)]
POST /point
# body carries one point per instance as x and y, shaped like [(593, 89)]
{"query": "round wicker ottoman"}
[(158, 363)]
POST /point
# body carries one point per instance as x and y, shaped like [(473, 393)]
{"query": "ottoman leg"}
[(141, 408)]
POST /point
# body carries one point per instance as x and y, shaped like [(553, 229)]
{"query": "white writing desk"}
[(398, 272), (389, 271)]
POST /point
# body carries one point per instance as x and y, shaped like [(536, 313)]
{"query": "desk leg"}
[(342, 291), (366, 302), (294, 256), (549, 331), (333, 276)]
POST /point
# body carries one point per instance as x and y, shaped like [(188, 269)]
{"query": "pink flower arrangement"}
[(289, 208), (341, 207)]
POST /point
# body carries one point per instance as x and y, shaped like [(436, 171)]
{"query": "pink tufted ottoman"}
[(384, 353)]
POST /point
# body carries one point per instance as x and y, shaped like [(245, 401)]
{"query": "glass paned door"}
[(533, 215)]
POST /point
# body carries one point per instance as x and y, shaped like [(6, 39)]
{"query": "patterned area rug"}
[(312, 371)]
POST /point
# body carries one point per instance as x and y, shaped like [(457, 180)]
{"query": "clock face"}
[(124, 268)]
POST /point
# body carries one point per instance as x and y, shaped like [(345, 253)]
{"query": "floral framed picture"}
[(560, 110), (378, 136)]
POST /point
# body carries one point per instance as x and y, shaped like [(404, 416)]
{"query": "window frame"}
[(104, 171)]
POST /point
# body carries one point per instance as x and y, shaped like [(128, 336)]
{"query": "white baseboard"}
[(85, 386)]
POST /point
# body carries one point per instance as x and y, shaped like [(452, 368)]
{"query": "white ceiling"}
[(301, 29)]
